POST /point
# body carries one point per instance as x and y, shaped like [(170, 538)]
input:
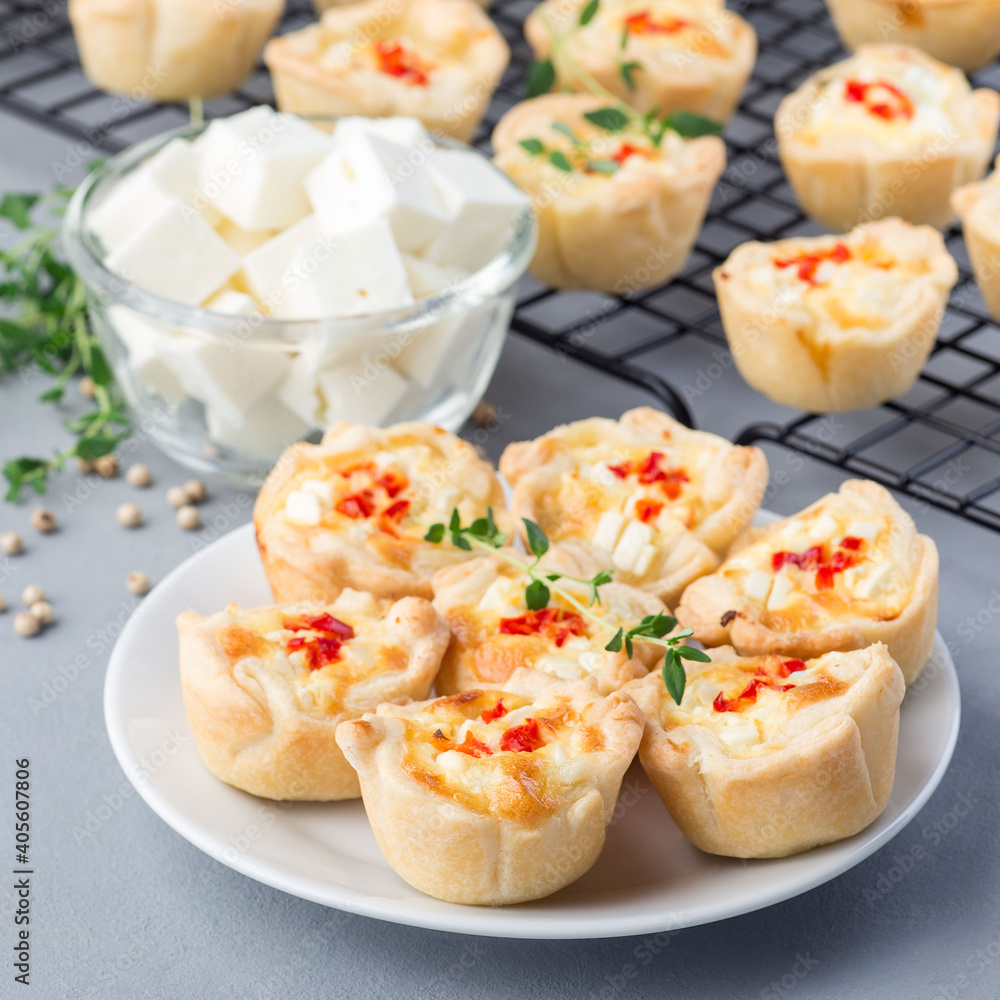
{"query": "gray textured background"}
[(132, 910)]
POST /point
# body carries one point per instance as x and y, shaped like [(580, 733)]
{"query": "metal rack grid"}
[(939, 443)]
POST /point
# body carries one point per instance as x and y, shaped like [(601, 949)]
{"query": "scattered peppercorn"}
[(43, 611), (106, 466), (87, 387), (189, 518), (138, 475), (485, 414), (43, 520), (32, 594), (129, 515), (26, 624), (196, 491), (177, 496), (11, 544), (138, 583), (3, 604)]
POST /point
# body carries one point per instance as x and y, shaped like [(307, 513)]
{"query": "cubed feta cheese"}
[(303, 507), (176, 254), (880, 579), (737, 732), (149, 346), (781, 592), (757, 585), (452, 760), (321, 488), (427, 278), (400, 130), (356, 273), (348, 395), (253, 166), (239, 239), (646, 556), (824, 528), (174, 168), (367, 178), (266, 429), (267, 270), (129, 205), (482, 206), (430, 349), (233, 304), (635, 536), (609, 527), (226, 378), (868, 530), (299, 390)]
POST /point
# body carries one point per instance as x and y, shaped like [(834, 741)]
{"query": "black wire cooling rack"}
[(940, 443)]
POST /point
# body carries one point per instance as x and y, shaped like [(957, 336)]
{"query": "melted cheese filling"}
[(752, 726), (389, 493), (324, 688), (925, 94), (858, 570), (523, 784), (636, 520)]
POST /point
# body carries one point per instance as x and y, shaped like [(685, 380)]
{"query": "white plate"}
[(648, 879)]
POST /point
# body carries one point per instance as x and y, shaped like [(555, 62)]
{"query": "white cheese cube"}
[(645, 560), (482, 206), (349, 396), (367, 178), (781, 592), (867, 530), (559, 666), (253, 166), (824, 528), (427, 278), (265, 430), (737, 732), (321, 489), (757, 585), (267, 269), (398, 129), (228, 380), (360, 272), (233, 303), (148, 347), (879, 580), (176, 254), (174, 168), (609, 527), (239, 239), (129, 205), (303, 507), (299, 390), (431, 349), (635, 536), (452, 760)]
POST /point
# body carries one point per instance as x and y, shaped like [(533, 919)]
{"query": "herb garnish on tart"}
[(559, 624)]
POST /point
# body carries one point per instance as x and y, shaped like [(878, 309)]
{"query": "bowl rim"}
[(85, 255)]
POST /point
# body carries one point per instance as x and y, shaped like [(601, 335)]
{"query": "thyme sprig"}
[(45, 326), (483, 534)]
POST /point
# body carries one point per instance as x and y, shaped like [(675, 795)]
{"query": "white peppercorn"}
[(27, 624), (177, 496), (138, 475), (129, 515), (188, 517), (32, 594), (44, 612), (11, 544), (43, 520), (196, 491), (138, 583)]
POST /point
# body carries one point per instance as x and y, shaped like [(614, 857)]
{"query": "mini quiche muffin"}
[(645, 496), (962, 33), (353, 511), (265, 688), (616, 211), (830, 324), (768, 756), (889, 131), (494, 632), (978, 207), (171, 50), (494, 796), (848, 571), (436, 60), (680, 55)]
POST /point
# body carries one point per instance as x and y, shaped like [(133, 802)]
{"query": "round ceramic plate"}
[(648, 879)]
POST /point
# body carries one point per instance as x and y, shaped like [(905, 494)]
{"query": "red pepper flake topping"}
[(471, 746), (358, 505), (523, 738), (648, 510), (808, 263), (626, 149), (389, 518), (393, 482), (394, 60), (554, 623), (826, 567), (788, 667), (852, 543), (880, 98), (498, 711), (321, 649), (642, 23), (650, 471)]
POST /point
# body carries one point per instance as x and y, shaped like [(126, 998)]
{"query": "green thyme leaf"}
[(616, 643), (563, 129), (603, 166), (455, 522), (627, 69), (460, 542), (541, 77), (623, 42), (538, 542), (689, 653), (16, 208), (22, 472), (559, 160), (588, 12), (534, 146), (536, 595), (674, 677), (609, 119), (688, 125), (435, 533)]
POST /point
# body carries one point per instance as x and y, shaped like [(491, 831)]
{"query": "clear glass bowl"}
[(361, 357)]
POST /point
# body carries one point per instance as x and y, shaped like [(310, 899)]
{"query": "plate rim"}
[(497, 922)]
